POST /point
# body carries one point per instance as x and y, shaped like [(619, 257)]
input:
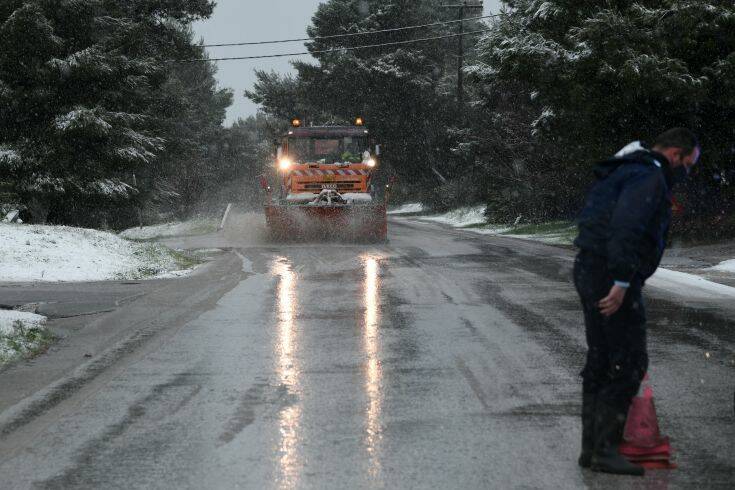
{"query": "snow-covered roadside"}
[(559, 233), (460, 217), (473, 219), (724, 266), (409, 208), (64, 254), (686, 284), (689, 285), (198, 226), (21, 334)]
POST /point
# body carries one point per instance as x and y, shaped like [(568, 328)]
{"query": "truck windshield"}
[(327, 150)]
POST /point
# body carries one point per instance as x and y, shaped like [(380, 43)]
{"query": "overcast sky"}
[(247, 20)]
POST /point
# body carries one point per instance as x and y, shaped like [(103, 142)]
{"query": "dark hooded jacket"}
[(627, 214)]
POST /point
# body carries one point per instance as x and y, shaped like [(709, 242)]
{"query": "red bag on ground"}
[(642, 441)]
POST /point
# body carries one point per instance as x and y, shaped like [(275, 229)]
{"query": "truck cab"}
[(335, 159), (326, 185)]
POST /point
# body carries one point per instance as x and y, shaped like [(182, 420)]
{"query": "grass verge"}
[(559, 232), (556, 232), (23, 342), (160, 260)]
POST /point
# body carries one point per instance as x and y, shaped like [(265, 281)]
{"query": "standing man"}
[(622, 236)]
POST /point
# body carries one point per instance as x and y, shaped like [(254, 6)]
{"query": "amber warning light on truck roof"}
[(296, 122), (359, 121)]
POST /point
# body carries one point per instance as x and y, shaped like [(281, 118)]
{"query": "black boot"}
[(588, 429), (609, 427)]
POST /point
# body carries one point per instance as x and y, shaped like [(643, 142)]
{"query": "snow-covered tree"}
[(191, 111), (78, 81), (598, 74)]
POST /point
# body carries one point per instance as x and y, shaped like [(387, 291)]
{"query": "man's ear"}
[(682, 155)]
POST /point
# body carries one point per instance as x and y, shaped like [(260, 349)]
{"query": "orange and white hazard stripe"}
[(317, 172)]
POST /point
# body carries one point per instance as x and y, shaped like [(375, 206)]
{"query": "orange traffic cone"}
[(642, 441)]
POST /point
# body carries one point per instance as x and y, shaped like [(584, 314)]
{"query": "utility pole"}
[(460, 57), (462, 8)]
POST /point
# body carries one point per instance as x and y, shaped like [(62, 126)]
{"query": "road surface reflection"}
[(373, 384), (289, 422)]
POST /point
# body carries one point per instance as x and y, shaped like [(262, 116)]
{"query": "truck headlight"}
[(371, 162), (284, 164)]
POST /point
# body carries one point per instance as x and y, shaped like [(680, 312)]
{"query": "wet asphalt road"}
[(441, 360)]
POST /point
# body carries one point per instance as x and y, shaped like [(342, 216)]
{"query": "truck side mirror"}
[(279, 151), (377, 150)]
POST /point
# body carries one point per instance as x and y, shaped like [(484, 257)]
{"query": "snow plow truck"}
[(325, 185)]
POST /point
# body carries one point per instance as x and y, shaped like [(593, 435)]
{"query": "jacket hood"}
[(634, 153), (630, 148)]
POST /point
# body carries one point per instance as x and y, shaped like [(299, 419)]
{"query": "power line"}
[(351, 34), (334, 50)]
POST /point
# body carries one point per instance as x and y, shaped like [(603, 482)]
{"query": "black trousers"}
[(617, 358)]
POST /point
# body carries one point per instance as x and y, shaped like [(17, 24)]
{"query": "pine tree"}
[(599, 74), (77, 83), (191, 112)]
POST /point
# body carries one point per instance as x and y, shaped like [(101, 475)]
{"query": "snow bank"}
[(550, 238), (29, 320), (726, 266), (186, 228), (689, 285), (58, 253), (415, 207), (492, 229), (20, 333), (553, 233), (460, 217), (559, 234)]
